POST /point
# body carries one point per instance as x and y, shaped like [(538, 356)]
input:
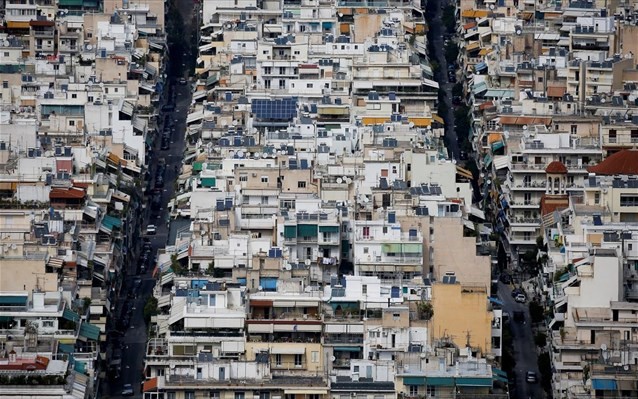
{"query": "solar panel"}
[(597, 221), (304, 164), (383, 183), (281, 109)]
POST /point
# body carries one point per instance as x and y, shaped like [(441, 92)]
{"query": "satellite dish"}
[(257, 155), (491, 6), (348, 180), (602, 100), (524, 127), (333, 358), (240, 154), (307, 262), (288, 267), (625, 367), (339, 180), (235, 122), (411, 125), (603, 347), (366, 200), (260, 288), (89, 47), (344, 178)]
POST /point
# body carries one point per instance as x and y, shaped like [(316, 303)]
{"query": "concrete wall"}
[(455, 253), (26, 275), (475, 320)]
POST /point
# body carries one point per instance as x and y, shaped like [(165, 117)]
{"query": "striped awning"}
[(55, 262)]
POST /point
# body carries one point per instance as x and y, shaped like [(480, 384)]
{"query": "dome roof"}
[(556, 167)]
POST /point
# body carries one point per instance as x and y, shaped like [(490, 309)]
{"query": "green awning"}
[(440, 381), (13, 300), (66, 348), (348, 348), (70, 3), (328, 229), (80, 367), (487, 160), (71, 315), (474, 382), (208, 181), (111, 221), (413, 380), (197, 166), (307, 230), (290, 231), (500, 378), (391, 248), (497, 145), (212, 79), (412, 248), (88, 330), (6, 319)]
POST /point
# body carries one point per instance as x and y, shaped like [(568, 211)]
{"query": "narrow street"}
[(132, 299), (525, 353), (436, 35)]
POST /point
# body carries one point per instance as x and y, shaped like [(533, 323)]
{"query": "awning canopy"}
[(288, 350), (604, 384), (89, 331), (70, 315)]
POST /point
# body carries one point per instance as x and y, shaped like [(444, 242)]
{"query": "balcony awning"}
[(89, 331), (70, 315), (13, 300), (307, 230), (431, 83), (288, 350), (348, 348), (501, 161), (497, 145), (480, 66), (474, 382), (604, 384), (440, 381), (328, 229)]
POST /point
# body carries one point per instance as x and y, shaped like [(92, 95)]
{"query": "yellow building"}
[(461, 313)]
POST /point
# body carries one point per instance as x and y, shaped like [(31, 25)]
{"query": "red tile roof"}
[(556, 167), (71, 193), (623, 162), (551, 203)]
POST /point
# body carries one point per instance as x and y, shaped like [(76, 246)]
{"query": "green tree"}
[(540, 339), (150, 309), (536, 312), (545, 368)]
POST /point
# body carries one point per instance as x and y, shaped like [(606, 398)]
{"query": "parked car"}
[(505, 278), (531, 377), (520, 298), (151, 230), (127, 390)]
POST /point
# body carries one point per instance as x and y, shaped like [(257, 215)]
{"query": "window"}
[(278, 359), (355, 369), (309, 85), (630, 247), (430, 391), (314, 356), (301, 184), (634, 136), (282, 84), (297, 360), (366, 232), (240, 395), (574, 129), (413, 389), (264, 200), (243, 178), (364, 289), (264, 395), (385, 229), (282, 70), (264, 179), (189, 395), (366, 250), (267, 70), (408, 167), (5, 84), (213, 394), (49, 323), (267, 83), (74, 95), (612, 135), (628, 200), (384, 173), (597, 198), (6, 53), (171, 395), (71, 123), (212, 300)]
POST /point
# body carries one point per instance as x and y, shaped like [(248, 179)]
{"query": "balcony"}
[(332, 339), (524, 204), (525, 221), (266, 222)]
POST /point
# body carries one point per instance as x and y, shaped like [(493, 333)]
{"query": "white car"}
[(151, 230), (520, 298)]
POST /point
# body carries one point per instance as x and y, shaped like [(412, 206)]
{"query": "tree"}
[(176, 266), (540, 339), (545, 368), (150, 309), (211, 268), (426, 310), (536, 312), (86, 303)]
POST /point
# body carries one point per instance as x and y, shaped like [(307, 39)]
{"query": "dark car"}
[(519, 316), (165, 145), (159, 182), (182, 81)]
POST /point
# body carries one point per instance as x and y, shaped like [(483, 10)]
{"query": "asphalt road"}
[(438, 31), (524, 347), (133, 343)]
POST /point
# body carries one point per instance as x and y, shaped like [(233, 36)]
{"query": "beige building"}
[(472, 326), (455, 254)]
